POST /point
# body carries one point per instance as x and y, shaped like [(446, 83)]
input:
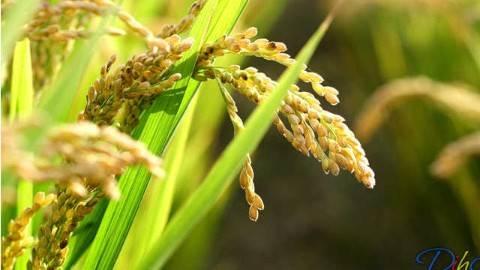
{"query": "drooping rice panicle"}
[(93, 154), (456, 155), (460, 99), (254, 201), (311, 129)]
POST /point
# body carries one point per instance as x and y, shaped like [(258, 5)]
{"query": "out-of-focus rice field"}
[(323, 222)]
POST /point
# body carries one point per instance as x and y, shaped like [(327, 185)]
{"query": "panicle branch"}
[(243, 44), (118, 97), (185, 23), (55, 231), (16, 241), (246, 175)]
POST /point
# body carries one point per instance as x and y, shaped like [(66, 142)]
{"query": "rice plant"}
[(98, 166)]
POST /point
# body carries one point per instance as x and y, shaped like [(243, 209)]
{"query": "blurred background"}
[(314, 221)]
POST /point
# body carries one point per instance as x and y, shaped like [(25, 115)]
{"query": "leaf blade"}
[(21, 105), (155, 208)]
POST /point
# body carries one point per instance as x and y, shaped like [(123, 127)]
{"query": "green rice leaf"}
[(163, 191), (21, 105), (155, 209), (21, 92), (229, 163)]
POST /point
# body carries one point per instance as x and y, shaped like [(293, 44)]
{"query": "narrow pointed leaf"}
[(21, 105), (155, 209), (21, 92)]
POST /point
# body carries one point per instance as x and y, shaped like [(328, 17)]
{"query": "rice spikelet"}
[(185, 23), (119, 96)]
